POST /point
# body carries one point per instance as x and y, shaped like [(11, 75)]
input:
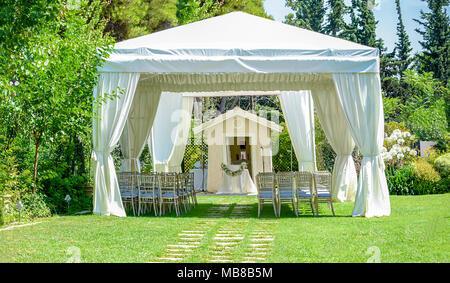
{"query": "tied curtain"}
[(361, 101), (170, 131), (334, 125), (298, 108), (138, 127), (108, 123)]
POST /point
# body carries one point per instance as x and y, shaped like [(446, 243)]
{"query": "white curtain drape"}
[(109, 120), (361, 101), (182, 133), (334, 125), (138, 127), (170, 131), (298, 109)]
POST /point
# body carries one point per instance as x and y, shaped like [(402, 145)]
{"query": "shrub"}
[(442, 165), (34, 206), (391, 126), (401, 181), (425, 171), (397, 151)]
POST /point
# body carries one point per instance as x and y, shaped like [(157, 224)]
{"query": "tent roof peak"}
[(239, 30)]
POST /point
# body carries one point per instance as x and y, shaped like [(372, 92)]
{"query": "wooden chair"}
[(189, 185), (183, 193), (128, 187), (148, 193), (322, 190), (265, 184), (304, 190), (286, 190), (168, 192)]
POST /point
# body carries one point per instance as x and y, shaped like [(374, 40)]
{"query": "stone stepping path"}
[(230, 235), (260, 242), (189, 240), (235, 239)]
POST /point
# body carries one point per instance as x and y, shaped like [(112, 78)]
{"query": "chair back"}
[(322, 181), (147, 183), (304, 182), (168, 183), (189, 180), (127, 182), (265, 183), (285, 182)]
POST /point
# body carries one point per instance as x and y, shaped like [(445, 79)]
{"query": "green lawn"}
[(416, 231)]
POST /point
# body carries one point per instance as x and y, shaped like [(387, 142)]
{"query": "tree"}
[(403, 46), (436, 39), (133, 18), (366, 24), (51, 91), (308, 14), (335, 24)]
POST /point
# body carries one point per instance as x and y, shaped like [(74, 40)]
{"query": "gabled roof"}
[(238, 112)]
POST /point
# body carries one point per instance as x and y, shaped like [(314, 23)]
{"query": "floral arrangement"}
[(397, 150), (230, 172)]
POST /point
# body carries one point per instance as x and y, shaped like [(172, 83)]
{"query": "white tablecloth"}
[(198, 175), (242, 184)]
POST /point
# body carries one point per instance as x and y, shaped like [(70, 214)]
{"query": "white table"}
[(242, 184), (198, 177)]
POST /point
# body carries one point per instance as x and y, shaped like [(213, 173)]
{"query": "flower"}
[(400, 141), (413, 152)]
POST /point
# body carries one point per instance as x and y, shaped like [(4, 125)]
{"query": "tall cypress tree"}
[(335, 24), (436, 39), (350, 30), (403, 48), (366, 24), (307, 14)]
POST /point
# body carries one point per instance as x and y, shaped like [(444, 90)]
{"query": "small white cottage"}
[(234, 137)]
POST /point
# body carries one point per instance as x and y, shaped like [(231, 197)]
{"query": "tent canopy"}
[(239, 42), (241, 52)]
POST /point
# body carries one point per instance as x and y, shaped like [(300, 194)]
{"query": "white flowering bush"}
[(397, 149)]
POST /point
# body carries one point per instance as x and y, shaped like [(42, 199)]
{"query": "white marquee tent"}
[(241, 52)]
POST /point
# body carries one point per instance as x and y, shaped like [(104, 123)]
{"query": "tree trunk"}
[(36, 156)]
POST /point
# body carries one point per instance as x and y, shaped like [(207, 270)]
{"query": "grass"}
[(416, 231)]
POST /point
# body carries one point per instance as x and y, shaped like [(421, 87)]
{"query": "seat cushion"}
[(169, 195), (286, 195), (146, 195), (302, 194), (128, 194), (265, 195), (324, 195)]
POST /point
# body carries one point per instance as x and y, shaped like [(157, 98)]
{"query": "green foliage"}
[(403, 46), (308, 14), (442, 165), (56, 188), (436, 39), (133, 18), (284, 159), (390, 127), (325, 154), (429, 124), (418, 179), (424, 171), (391, 107), (335, 25), (195, 10), (401, 181)]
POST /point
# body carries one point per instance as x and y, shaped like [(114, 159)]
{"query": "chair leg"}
[(332, 209), (259, 208), (294, 207), (312, 207)]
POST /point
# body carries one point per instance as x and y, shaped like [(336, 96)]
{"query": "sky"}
[(385, 13)]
